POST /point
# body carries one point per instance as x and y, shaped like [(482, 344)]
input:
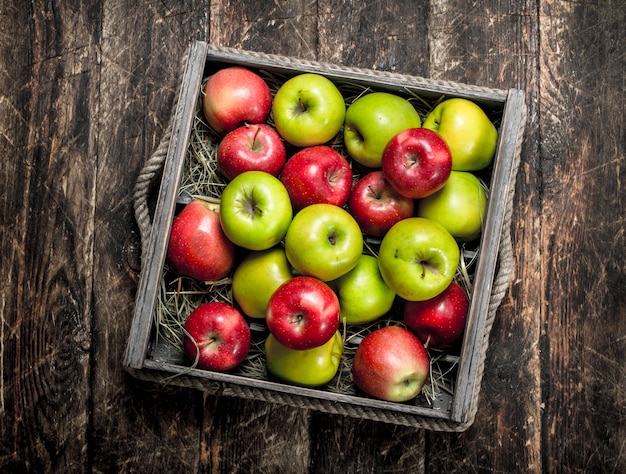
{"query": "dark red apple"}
[(417, 162), (438, 322), (376, 205), (303, 313), (317, 174), (217, 336), (197, 246), (255, 147), (233, 96), (391, 363)]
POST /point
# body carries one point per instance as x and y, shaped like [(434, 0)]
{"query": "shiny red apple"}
[(317, 174), (197, 246), (217, 336), (376, 205), (233, 96), (391, 363), (417, 162), (438, 322), (251, 147), (303, 313)]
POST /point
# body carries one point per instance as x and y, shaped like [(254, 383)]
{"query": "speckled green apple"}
[(324, 241), (363, 294), (308, 368), (255, 210), (466, 128), (308, 110), (418, 258), (371, 121), (459, 206), (256, 278)]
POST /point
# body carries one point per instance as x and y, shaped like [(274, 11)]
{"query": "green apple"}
[(308, 110), (255, 210), (470, 135), (418, 258), (309, 367), (459, 206), (256, 278), (324, 241), (363, 294), (374, 119)]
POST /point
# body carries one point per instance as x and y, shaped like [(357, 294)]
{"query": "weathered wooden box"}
[(150, 357)]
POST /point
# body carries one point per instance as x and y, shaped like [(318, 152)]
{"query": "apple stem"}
[(302, 105), (297, 318), (376, 195), (207, 342), (256, 134), (427, 341)]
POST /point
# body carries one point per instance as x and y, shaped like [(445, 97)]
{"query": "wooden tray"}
[(148, 358)]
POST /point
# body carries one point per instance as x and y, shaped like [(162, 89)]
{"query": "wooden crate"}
[(148, 357)]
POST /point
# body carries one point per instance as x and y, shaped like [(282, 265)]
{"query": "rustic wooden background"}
[(86, 89)]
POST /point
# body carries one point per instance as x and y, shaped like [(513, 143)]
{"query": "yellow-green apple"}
[(217, 336), (324, 241), (376, 205), (303, 313), (255, 210), (256, 278), (363, 294), (391, 363), (371, 121), (466, 128), (251, 147), (197, 245), (417, 162), (440, 321), (308, 110), (233, 96), (418, 258), (308, 368), (459, 206), (317, 174)]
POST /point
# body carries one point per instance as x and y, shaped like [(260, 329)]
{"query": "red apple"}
[(376, 205), (391, 364), (438, 322), (417, 162), (317, 174), (197, 245), (217, 336), (256, 147), (233, 96), (303, 313)]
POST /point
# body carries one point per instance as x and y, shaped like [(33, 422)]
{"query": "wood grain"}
[(583, 318), (46, 325)]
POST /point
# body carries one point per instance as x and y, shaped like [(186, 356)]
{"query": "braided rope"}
[(150, 170), (500, 286)]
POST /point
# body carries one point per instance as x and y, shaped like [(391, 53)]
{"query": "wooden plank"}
[(49, 97), (584, 244), (247, 436), (134, 424), (492, 44), (286, 27), (392, 31)]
